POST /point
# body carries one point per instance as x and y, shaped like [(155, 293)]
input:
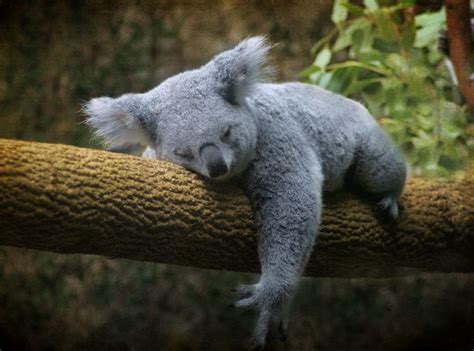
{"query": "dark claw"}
[(282, 331), (243, 291), (257, 347)]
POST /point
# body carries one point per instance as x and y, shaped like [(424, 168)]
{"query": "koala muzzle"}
[(214, 161)]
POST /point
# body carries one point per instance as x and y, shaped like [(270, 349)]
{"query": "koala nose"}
[(214, 161)]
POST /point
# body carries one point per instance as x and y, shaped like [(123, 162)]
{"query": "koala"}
[(285, 144)]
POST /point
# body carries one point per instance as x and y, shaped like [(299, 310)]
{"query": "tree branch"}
[(66, 199)]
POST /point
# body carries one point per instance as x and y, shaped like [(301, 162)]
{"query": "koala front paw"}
[(271, 303)]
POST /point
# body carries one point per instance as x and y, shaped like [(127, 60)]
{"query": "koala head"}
[(198, 119)]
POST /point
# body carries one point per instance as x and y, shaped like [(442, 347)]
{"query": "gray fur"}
[(287, 144)]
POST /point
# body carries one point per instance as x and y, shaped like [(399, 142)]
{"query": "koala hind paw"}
[(389, 207)]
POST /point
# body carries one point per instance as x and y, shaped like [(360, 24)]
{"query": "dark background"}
[(56, 54)]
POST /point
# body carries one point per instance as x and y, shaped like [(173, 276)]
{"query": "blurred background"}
[(54, 55)]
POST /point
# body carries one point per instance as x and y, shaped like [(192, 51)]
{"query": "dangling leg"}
[(288, 211)]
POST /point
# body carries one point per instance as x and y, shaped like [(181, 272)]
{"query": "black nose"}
[(214, 161)]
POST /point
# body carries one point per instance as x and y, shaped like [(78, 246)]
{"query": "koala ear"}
[(238, 69), (117, 121)]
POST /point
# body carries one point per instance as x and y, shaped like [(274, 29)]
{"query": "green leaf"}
[(362, 38), (408, 36), (367, 66), (325, 79), (323, 58), (342, 79), (390, 64), (384, 24), (346, 35), (372, 57), (344, 41), (430, 25), (396, 63), (434, 57), (316, 76), (308, 71), (358, 85), (385, 46), (431, 18), (426, 36), (371, 4), (323, 41), (339, 11)]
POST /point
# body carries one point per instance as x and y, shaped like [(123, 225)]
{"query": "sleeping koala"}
[(284, 144)]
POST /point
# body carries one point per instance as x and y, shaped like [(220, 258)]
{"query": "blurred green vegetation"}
[(56, 57), (53, 55), (387, 58)]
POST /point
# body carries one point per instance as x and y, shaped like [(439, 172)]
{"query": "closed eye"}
[(185, 153), (225, 137)]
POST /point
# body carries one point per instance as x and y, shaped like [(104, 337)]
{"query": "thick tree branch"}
[(66, 199)]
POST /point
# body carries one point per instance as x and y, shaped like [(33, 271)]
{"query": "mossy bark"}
[(66, 199)]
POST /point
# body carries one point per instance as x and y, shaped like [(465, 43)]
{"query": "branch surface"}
[(66, 199)]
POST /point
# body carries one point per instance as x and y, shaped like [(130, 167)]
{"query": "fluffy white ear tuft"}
[(113, 121), (239, 69)]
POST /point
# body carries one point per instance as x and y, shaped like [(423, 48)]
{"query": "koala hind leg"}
[(379, 171)]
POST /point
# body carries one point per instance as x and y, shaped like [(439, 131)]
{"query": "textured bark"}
[(66, 199), (458, 15)]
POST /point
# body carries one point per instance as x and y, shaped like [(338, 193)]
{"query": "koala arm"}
[(287, 205)]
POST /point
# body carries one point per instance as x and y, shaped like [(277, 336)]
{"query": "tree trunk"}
[(458, 15), (66, 199)]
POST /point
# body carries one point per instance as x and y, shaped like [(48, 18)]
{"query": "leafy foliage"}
[(386, 57)]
